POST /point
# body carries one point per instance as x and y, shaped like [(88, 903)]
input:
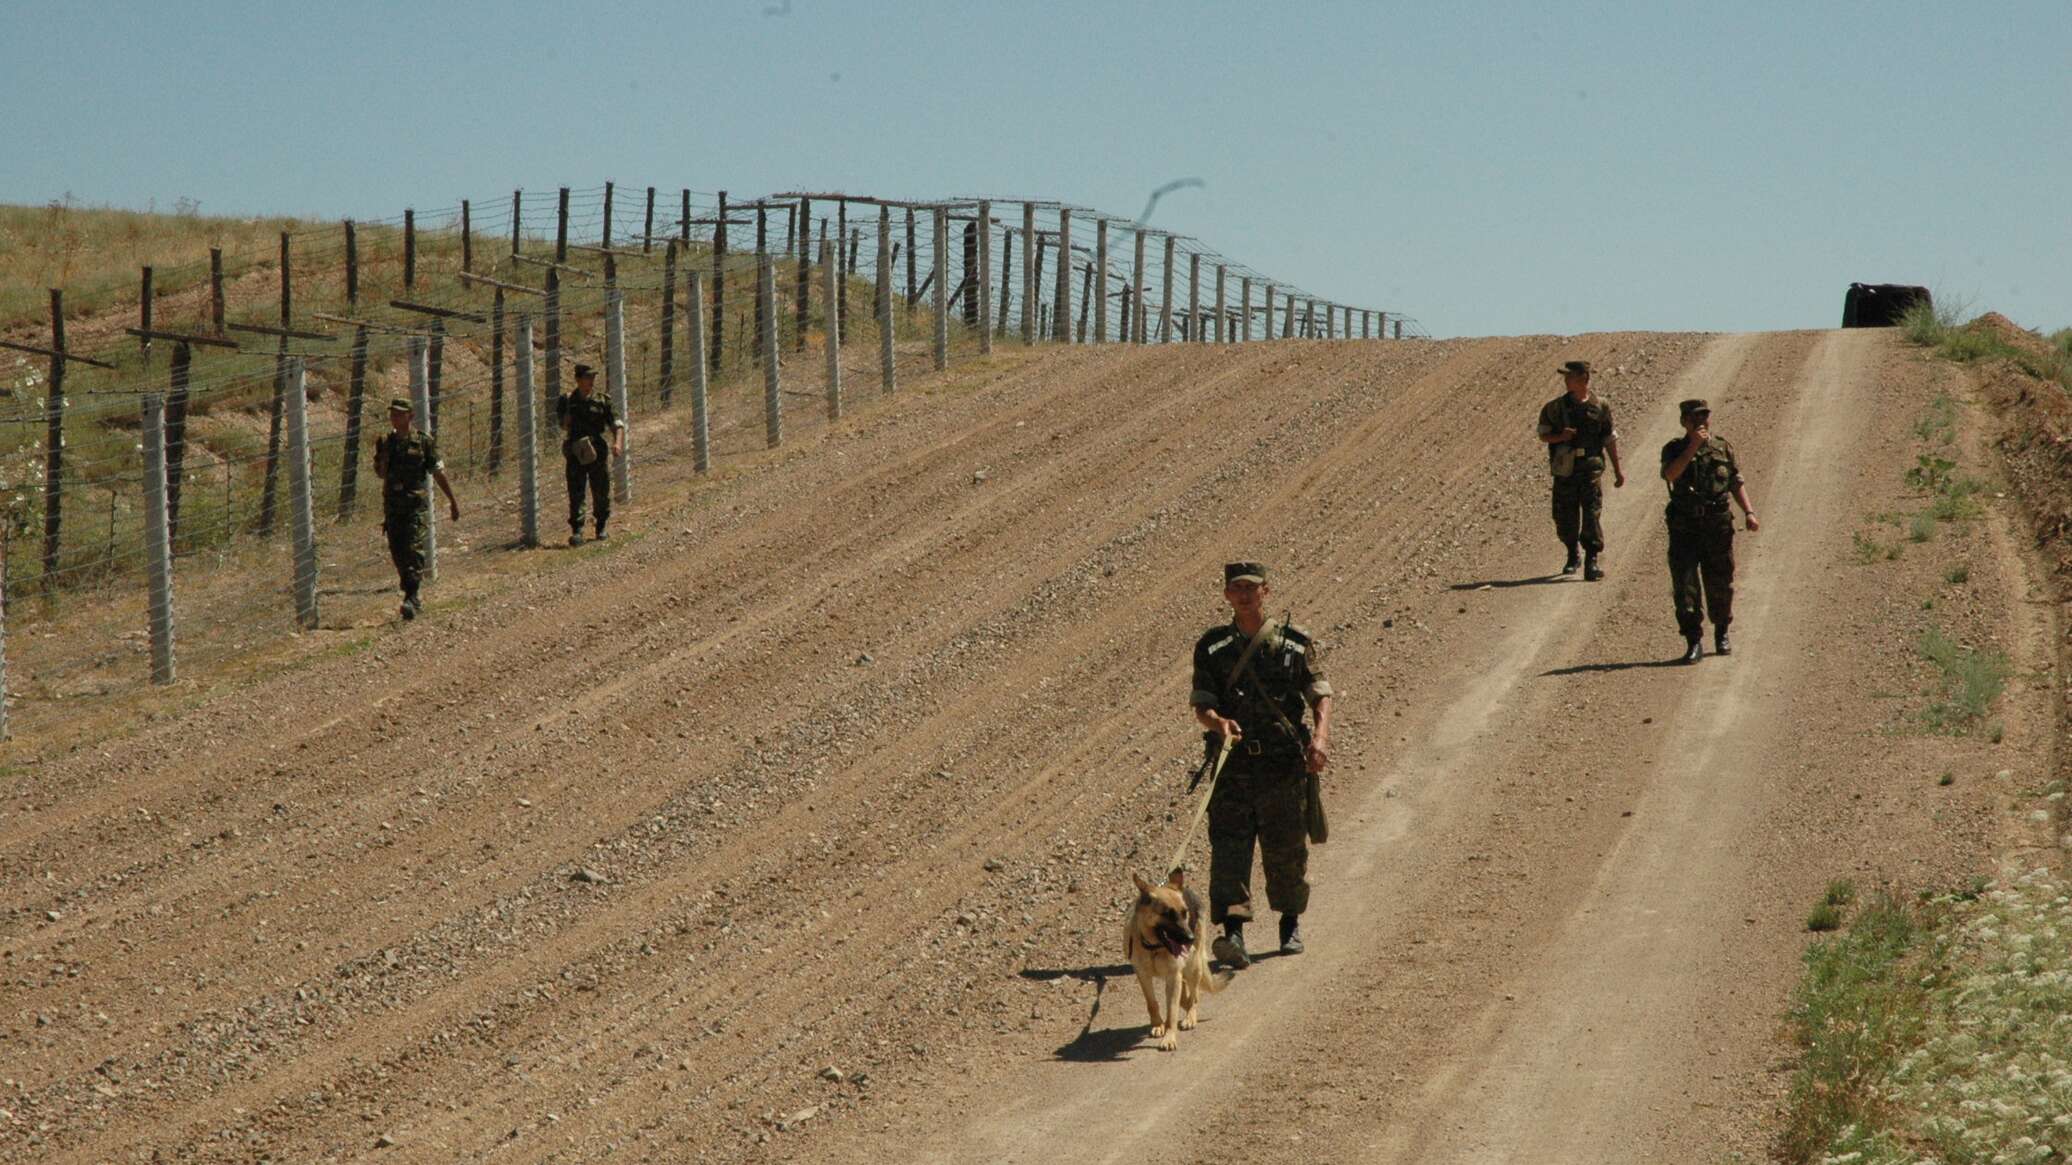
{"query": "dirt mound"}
[(2015, 335)]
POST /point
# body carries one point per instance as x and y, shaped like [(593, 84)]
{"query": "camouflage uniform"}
[(409, 460), (588, 418), (1578, 468), (1701, 535), (1261, 795)]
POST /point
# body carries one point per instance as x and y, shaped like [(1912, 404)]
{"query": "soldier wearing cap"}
[(589, 427), (1579, 434), (1702, 474), (1257, 700), (403, 458)]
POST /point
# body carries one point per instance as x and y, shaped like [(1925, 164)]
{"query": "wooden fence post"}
[(409, 251), (421, 402), (1138, 330), (467, 238), (1194, 297), (962, 292), (1031, 288), (913, 294), (301, 516), (560, 244), (802, 289), (838, 302), (647, 232), (435, 365), (1223, 330), (496, 382), (773, 399), (887, 373), (719, 284), (668, 369), (269, 495), (216, 288), (1006, 276), (683, 222), (528, 440), (701, 430), (356, 394), (352, 263), (831, 271), (982, 286), (517, 218), (1100, 302), (144, 316), (158, 545), (606, 229), (942, 288), (1288, 319), (1165, 292), (552, 307), (615, 369), (176, 437), (1266, 315), (1089, 294), (1061, 302)]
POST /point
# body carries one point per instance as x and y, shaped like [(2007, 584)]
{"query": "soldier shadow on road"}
[(1586, 668), (1500, 584)]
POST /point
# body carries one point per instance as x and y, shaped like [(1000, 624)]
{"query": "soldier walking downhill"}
[(1579, 434), (590, 430), (403, 458), (1256, 696), (1702, 474)]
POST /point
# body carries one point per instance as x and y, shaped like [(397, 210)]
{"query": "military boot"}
[(1693, 651), (575, 538), (1229, 947), (1575, 560), (1720, 645), (1591, 571), (410, 605), (1291, 934)]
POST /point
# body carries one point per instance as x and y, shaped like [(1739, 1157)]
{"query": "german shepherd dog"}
[(1159, 936)]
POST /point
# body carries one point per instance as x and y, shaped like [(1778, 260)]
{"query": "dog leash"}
[(1202, 807)]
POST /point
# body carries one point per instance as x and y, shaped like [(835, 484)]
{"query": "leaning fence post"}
[(421, 402), (701, 430), (158, 541), (301, 515), (615, 369), (528, 441), (773, 399), (830, 268), (982, 288), (942, 289), (887, 380), (1061, 302)]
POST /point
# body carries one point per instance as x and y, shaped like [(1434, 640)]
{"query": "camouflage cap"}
[(401, 404), (1575, 368), (585, 370), (1237, 572), (1692, 406)]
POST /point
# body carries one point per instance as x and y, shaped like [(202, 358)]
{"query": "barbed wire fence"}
[(141, 481)]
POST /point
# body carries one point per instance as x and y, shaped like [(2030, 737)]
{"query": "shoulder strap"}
[(1244, 659)]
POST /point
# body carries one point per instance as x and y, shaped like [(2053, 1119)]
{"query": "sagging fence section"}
[(149, 453)]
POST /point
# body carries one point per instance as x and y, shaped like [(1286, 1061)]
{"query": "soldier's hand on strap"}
[(1319, 756), (1228, 728)]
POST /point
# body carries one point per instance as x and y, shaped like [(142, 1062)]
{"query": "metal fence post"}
[(1100, 305), (942, 289), (158, 545), (887, 372), (301, 505), (1194, 296), (773, 400), (528, 441), (831, 273), (701, 432), (421, 401), (1165, 292), (615, 368)]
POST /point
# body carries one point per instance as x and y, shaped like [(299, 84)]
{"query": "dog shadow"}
[(1108, 1045)]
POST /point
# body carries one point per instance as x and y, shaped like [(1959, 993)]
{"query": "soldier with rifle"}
[(1253, 678)]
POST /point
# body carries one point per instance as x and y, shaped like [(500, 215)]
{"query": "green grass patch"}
[(1922, 527), (1970, 680), (1957, 575), (1856, 1013)]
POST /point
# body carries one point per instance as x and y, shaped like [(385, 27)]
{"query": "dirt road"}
[(845, 763)]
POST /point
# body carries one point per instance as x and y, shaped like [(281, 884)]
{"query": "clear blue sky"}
[(1489, 168)]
